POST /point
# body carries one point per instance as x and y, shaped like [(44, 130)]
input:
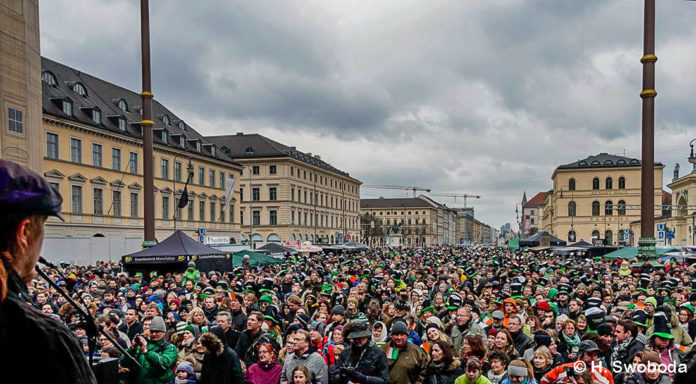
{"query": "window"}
[(292, 194), (48, 78), (117, 203), (165, 207), (190, 210), (212, 150), (80, 89), (182, 126), (211, 177), (305, 197), (608, 237), (222, 179), (231, 208), (115, 159), (621, 210), (595, 183), (212, 211), (182, 141), (177, 210), (14, 120), (622, 182), (51, 145), (256, 218), (255, 169), (272, 193), (201, 211), (164, 163), (122, 124), (255, 195), (165, 119), (241, 194), (608, 208), (273, 217), (134, 205), (201, 176), (304, 175), (133, 162), (292, 171), (96, 155), (292, 217), (571, 236), (241, 217), (571, 184), (122, 105), (177, 171), (96, 116), (272, 169), (76, 199), (67, 107), (165, 137), (98, 201), (595, 208), (595, 234), (609, 183), (76, 150)]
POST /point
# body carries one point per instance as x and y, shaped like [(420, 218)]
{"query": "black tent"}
[(582, 243), (534, 240), (173, 255), (275, 248)]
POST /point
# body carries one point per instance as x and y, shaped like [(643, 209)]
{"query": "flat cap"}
[(25, 191)]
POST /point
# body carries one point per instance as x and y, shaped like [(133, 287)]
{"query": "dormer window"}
[(165, 136), (122, 105), (212, 150), (96, 116), (67, 107), (182, 141), (48, 78), (80, 89), (198, 146), (182, 126), (122, 124), (165, 119)]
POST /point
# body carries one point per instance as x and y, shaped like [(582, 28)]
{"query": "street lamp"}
[(692, 157), (250, 152)]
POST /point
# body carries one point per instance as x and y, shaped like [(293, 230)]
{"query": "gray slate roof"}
[(604, 160), (410, 202), (105, 96), (236, 147)]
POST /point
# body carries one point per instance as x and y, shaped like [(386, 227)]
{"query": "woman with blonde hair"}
[(197, 317), (543, 362)]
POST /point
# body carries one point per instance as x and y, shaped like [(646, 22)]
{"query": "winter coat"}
[(638, 378), (464, 379), (458, 333), (371, 363), (221, 369), (193, 275), (311, 359), (410, 365), (257, 374), (245, 346), (522, 342), (156, 364), (439, 374), (682, 340)]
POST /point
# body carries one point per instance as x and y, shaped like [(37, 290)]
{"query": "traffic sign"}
[(661, 227), (661, 235)]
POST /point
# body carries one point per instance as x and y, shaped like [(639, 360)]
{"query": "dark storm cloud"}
[(483, 97)]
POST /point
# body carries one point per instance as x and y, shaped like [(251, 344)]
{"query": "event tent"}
[(534, 240), (255, 259), (631, 252), (174, 253), (275, 248)]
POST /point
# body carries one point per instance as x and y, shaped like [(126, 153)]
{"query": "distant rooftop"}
[(537, 200), (604, 160), (409, 202)]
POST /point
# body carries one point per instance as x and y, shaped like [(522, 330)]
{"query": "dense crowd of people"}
[(438, 315)]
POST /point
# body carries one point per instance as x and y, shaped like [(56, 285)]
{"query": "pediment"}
[(117, 183), (55, 174), (98, 180), (77, 177), (166, 190), (135, 186)]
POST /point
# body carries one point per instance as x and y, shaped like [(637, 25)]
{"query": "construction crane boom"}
[(455, 195), (401, 187)]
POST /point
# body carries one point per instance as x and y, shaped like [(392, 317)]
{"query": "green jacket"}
[(156, 365), (194, 276), (464, 379)]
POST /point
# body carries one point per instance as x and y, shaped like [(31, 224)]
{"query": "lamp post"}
[(250, 152), (692, 160)]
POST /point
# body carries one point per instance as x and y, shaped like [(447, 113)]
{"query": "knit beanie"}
[(185, 366), (517, 368)]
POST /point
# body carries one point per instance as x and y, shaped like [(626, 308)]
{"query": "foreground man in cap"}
[(27, 336), (407, 362), (362, 361)]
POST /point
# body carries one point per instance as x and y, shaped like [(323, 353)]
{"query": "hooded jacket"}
[(371, 362), (156, 364)]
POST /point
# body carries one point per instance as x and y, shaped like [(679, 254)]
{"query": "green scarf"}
[(572, 343)]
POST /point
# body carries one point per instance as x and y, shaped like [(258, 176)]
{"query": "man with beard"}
[(462, 327), (362, 361), (574, 309)]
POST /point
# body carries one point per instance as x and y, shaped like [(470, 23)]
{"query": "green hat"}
[(426, 309), (651, 300), (266, 298), (271, 318), (139, 274), (688, 307), (552, 293), (661, 326)]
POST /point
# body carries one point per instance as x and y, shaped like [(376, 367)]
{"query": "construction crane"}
[(401, 187), (455, 195)]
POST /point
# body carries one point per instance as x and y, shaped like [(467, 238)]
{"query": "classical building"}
[(596, 199), (291, 195), (465, 225), (678, 221), (92, 151), (20, 83), (533, 213)]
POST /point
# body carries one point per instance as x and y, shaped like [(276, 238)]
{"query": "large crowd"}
[(438, 315)]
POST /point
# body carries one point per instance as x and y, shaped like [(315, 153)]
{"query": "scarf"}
[(573, 343), (620, 349)]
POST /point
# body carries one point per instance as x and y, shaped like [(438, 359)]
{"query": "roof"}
[(604, 160), (538, 199), (237, 146), (105, 96), (409, 202)]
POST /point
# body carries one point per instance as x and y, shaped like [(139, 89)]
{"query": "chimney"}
[(317, 157), (240, 133), (309, 154)]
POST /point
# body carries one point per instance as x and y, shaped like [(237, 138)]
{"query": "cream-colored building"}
[(596, 198), (92, 150), (20, 83), (679, 219), (291, 195)]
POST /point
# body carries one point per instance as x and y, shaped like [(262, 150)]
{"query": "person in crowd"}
[(569, 340), (498, 362), (267, 369), (156, 357), (444, 367), (362, 361), (504, 342), (520, 371), (307, 355), (184, 374), (588, 354), (220, 364), (650, 373), (473, 374), (408, 363), (542, 363), (301, 375)]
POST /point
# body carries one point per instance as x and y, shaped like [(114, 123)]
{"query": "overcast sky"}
[(484, 97)]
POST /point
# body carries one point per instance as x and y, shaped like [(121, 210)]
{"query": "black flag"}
[(184, 200)]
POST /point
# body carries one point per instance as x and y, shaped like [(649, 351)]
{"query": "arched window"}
[(571, 209), (608, 208), (595, 183), (182, 126), (165, 119), (621, 208), (609, 183), (622, 182), (571, 236), (571, 184), (608, 237), (595, 208), (48, 78), (273, 238), (80, 89), (122, 105), (595, 234)]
